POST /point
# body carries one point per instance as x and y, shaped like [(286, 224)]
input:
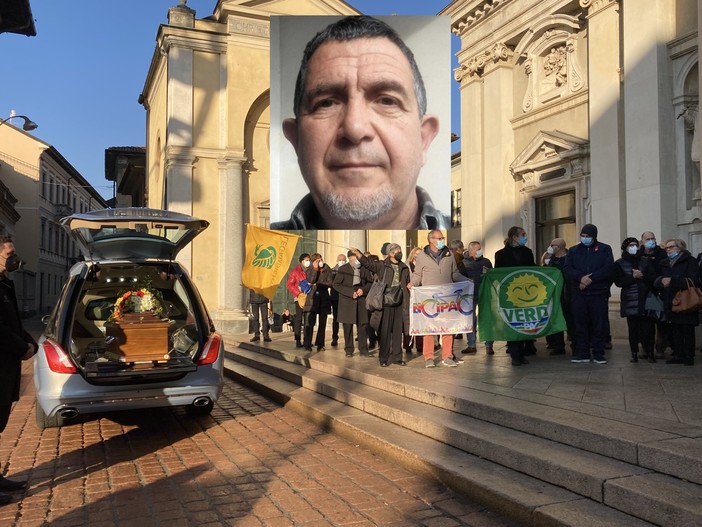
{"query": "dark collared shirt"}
[(306, 216)]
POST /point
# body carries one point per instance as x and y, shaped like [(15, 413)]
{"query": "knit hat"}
[(629, 241), (590, 230)]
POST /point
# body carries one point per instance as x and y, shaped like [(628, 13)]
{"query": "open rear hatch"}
[(137, 316)]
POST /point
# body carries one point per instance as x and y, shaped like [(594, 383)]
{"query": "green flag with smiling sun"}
[(520, 303)]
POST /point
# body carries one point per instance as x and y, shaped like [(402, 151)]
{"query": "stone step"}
[(516, 495), (512, 439), (657, 444)]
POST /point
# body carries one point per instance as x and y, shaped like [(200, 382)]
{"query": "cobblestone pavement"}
[(251, 463)]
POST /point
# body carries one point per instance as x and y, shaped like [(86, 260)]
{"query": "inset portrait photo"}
[(360, 122)]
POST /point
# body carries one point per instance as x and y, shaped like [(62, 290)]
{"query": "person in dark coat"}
[(318, 302), (635, 275), (675, 272), (655, 255), (259, 310), (588, 268), (473, 266), (16, 345), (392, 321), (334, 297), (515, 253), (352, 283)]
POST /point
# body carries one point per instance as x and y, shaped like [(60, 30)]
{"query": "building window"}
[(555, 218), (456, 200), (43, 184), (51, 189), (42, 235)]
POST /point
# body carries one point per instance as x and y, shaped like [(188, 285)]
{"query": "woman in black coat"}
[(635, 275), (318, 302), (675, 272), (392, 321)]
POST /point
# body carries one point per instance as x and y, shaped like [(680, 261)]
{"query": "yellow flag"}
[(268, 257)]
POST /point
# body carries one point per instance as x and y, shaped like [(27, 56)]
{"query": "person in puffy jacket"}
[(635, 275), (588, 268)]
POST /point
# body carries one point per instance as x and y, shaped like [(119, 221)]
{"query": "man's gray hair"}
[(392, 247), (352, 28)]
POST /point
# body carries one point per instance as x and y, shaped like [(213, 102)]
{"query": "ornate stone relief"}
[(552, 67), (478, 64)]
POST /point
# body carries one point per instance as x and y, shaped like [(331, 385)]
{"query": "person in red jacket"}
[(297, 281)]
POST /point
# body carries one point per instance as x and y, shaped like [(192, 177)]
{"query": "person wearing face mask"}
[(588, 268), (515, 253), (635, 275), (676, 270), (556, 258), (16, 346), (334, 297), (656, 255), (436, 265), (352, 283), (319, 276), (297, 277), (473, 265), (393, 320)]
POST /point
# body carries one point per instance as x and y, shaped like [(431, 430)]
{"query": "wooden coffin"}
[(138, 337)]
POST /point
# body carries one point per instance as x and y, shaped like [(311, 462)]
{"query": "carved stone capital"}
[(596, 5), (498, 52)]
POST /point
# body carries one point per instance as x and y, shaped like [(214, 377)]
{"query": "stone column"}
[(499, 202), (650, 139), (606, 204), (179, 192), (230, 315)]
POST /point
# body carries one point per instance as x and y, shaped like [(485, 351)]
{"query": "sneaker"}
[(469, 349), (579, 360), (457, 360), (600, 361), (449, 363), (429, 363), (255, 338), (266, 338)]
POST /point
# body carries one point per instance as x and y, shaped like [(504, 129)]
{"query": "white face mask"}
[(632, 250), (306, 263), (547, 261), (341, 262), (479, 253), (549, 250)]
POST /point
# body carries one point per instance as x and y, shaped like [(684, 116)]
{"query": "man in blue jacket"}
[(588, 268)]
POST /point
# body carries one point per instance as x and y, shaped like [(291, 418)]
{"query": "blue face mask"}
[(673, 254), (522, 241), (586, 241), (650, 244), (440, 244)]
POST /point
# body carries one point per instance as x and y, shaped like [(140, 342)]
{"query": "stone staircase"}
[(536, 463)]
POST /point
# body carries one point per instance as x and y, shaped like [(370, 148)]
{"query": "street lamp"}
[(28, 125)]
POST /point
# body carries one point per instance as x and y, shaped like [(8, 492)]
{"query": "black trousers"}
[(683, 338), (260, 312), (391, 334), (297, 322), (591, 325), (641, 329), (310, 319), (335, 322), (4, 415), (362, 337)]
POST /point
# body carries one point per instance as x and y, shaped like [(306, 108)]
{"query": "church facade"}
[(578, 111)]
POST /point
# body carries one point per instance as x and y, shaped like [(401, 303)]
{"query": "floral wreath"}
[(142, 300)]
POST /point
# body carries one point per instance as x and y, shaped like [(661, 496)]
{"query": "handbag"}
[(654, 307), (374, 298), (687, 300), (392, 296)]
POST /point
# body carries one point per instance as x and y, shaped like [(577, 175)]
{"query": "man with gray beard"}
[(361, 132)]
